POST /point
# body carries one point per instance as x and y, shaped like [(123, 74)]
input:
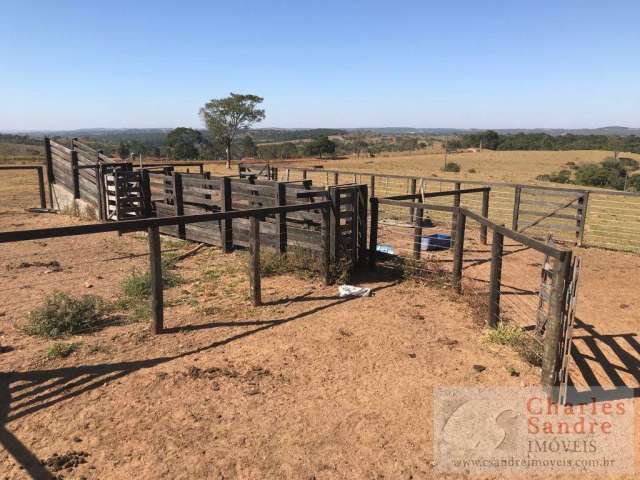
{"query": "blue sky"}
[(483, 64)]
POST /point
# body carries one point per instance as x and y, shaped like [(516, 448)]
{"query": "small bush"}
[(136, 289), (451, 167), (472, 170), (513, 336), (563, 176), (62, 314), (61, 350)]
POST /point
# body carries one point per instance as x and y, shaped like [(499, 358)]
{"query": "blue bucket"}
[(382, 248), (436, 242)]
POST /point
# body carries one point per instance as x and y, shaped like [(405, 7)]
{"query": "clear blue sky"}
[(484, 64)]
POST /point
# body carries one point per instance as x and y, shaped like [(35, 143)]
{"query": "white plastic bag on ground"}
[(351, 291)]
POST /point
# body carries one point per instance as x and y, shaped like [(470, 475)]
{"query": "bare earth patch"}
[(307, 386)]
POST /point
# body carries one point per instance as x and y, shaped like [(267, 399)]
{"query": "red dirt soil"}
[(309, 386)]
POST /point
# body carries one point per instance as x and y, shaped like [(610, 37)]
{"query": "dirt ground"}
[(308, 386)]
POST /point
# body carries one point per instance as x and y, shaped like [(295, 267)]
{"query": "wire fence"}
[(611, 219)]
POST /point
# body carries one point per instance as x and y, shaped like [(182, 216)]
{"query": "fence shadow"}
[(602, 372), (27, 392)]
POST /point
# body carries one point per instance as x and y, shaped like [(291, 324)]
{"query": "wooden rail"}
[(151, 225)]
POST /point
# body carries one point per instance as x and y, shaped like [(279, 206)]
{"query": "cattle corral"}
[(332, 354)]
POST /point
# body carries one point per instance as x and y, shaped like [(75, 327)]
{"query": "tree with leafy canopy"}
[(183, 143), (249, 148), (226, 117), (319, 146)]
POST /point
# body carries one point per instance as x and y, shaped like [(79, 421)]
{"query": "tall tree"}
[(320, 146), (249, 148), (226, 117), (183, 143)]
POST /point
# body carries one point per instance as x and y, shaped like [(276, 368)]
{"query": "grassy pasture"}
[(612, 221), (506, 166)]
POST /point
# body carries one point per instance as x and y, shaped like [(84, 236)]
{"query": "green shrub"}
[(61, 350), (563, 176), (610, 173), (451, 167), (633, 183), (62, 314)]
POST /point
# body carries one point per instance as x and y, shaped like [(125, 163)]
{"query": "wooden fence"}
[(112, 187), (188, 194), (560, 308), (581, 216), (256, 217)]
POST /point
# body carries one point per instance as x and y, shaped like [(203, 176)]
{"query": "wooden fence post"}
[(372, 187), (417, 233), (412, 191), (495, 279), (226, 206), (178, 202), (304, 174), (43, 196), (485, 214), (325, 239), (516, 208), (50, 176), (155, 269), (254, 261), (363, 198), (454, 214), (75, 174), (373, 235), (551, 361), (145, 190), (335, 241), (458, 252), (281, 226), (582, 218), (335, 178)]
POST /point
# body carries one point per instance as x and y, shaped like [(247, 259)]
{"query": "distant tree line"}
[(541, 141), (19, 139)]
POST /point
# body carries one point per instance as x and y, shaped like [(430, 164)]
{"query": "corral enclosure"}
[(399, 223)]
